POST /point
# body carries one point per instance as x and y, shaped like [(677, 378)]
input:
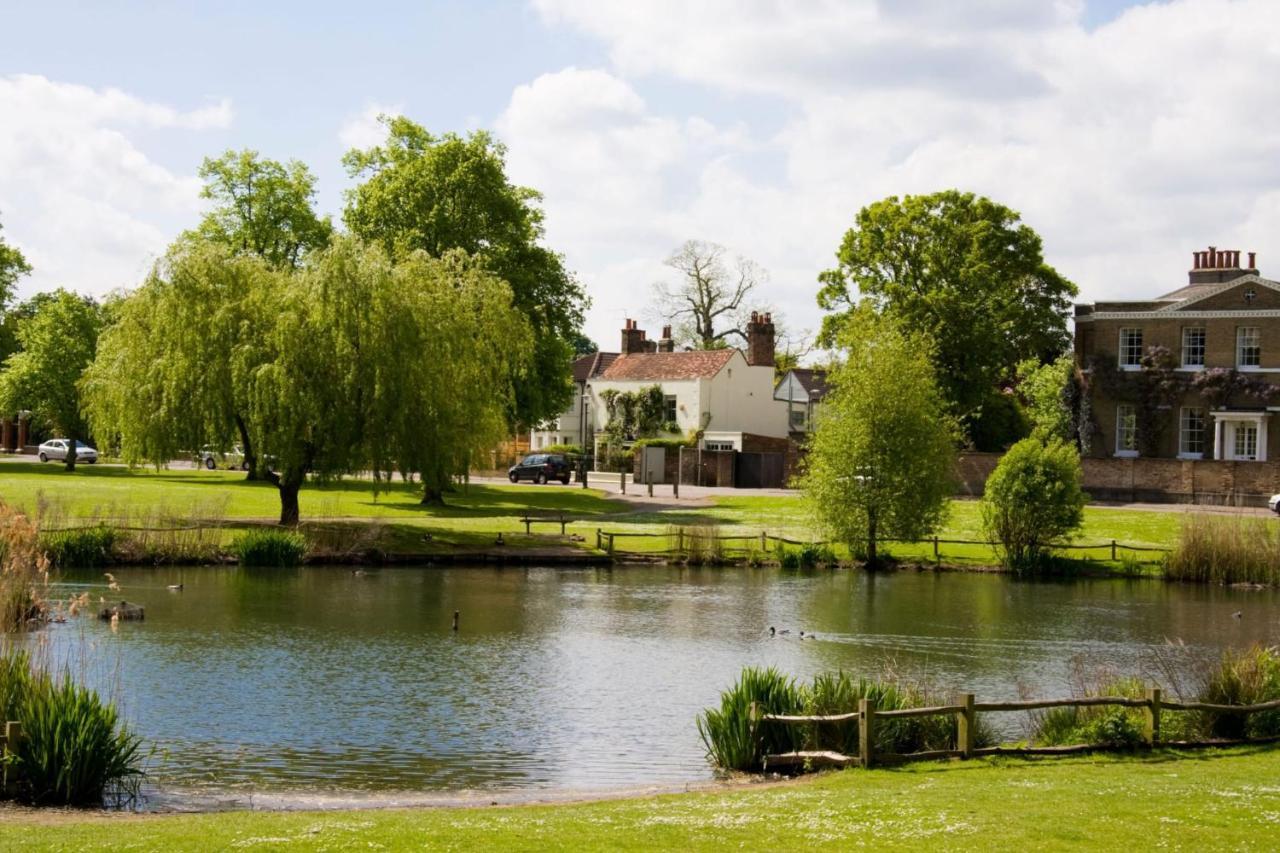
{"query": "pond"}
[(319, 680)]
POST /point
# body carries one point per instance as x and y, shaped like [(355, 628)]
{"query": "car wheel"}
[(542, 479), (43, 457), (513, 477), (92, 461), (209, 463), (564, 481)]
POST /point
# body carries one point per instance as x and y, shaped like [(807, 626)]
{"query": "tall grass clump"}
[(24, 571), (734, 743), (1225, 550), (80, 547), (733, 739), (74, 749), (1247, 677), (269, 547), (1105, 725), (703, 546)]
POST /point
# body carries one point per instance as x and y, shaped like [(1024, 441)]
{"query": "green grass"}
[(476, 514), (1226, 800)]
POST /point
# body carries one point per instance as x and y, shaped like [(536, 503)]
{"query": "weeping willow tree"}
[(349, 363)]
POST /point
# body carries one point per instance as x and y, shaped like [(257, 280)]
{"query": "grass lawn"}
[(1223, 800), (477, 514)]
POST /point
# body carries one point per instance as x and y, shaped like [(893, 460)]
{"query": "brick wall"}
[(1151, 480)]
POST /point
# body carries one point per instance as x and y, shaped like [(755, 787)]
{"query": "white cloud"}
[(87, 206), (364, 130), (1126, 146)]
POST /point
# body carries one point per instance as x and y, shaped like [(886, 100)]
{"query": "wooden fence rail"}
[(965, 713)]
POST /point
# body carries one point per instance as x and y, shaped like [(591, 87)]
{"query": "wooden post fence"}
[(965, 726), (1151, 714), (866, 731)]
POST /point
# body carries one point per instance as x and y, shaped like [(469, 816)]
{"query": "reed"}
[(82, 547), (1241, 677), (1109, 726), (24, 572), (702, 545), (1225, 550), (269, 547), (735, 741)]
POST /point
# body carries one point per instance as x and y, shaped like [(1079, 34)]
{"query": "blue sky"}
[(760, 124)]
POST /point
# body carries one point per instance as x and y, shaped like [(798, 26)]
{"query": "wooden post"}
[(965, 726), (455, 620), (675, 488), (599, 544), (935, 549), (1113, 550), (866, 732), (622, 481), (1151, 728), (649, 483), (583, 478), (764, 541), (610, 535), (679, 540)]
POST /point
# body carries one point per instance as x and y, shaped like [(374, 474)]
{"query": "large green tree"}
[(881, 462), (262, 207), (13, 266), (57, 343), (433, 193), (349, 363), (965, 271)]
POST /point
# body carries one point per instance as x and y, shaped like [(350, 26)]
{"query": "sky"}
[(1126, 134)]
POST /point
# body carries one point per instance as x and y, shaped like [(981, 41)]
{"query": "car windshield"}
[(81, 444)]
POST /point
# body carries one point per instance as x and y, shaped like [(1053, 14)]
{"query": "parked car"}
[(212, 458), (56, 449), (1274, 504), (541, 467)]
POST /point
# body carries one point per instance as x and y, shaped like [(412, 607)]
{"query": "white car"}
[(1274, 504), (56, 449)]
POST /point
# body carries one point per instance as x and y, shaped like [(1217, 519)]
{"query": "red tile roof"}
[(588, 367), (699, 364)]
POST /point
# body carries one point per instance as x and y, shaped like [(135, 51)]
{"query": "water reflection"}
[(576, 678)]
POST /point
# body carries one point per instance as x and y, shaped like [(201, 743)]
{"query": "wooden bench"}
[(559, 518)]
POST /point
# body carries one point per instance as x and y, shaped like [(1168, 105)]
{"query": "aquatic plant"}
[(736, 741), (80, 547), (1225, 550), (24, 569), (74, 750), (269, 547), (1246, 677)]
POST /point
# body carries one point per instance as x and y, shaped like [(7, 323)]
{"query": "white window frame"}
[(1248, 338), (1185, 432), (1128, 350), (1126, 429), (1245, 434), (1188, 348), (671, 406)]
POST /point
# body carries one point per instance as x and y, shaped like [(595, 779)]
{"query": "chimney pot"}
[(1195, 260), (1253, 264)]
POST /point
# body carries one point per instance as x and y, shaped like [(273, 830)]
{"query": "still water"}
[(319, 679)]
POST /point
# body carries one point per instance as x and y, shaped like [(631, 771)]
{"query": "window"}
[(718, 445), (1246, 441), (1130, 347), (1126, 430), (1193, 346), (669, 402), (797, 418), (1248, 347), (1191, 431)]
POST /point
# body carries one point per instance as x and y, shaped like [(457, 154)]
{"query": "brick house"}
[(1192, 374)]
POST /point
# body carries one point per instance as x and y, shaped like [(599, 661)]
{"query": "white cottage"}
[(727, 393)]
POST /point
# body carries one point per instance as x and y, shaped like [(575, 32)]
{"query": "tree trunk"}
[(288, 503), (432, 496), (71, 451), (250, 461), (873, 558)]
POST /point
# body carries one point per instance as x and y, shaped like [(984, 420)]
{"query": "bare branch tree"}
[(707, 304)]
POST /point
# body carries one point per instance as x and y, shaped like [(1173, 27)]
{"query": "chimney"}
[(760, 339), (665, 343), (1215, 266), (632, 338)]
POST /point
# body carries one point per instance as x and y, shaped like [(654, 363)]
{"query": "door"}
[(1242, 440)]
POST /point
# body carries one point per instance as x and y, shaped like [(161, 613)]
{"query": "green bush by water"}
[(1225, 550), (733, 743), (1248, 677), (269, 547), (81, 548), (74, 749)]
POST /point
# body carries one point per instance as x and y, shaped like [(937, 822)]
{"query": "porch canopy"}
[(1240, 434)]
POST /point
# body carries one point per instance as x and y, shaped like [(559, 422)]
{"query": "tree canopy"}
[(13, 266), (881, 462), (965, 271), (263, 207), (421, 192), (349, 363), (710, 300), (57, 343)]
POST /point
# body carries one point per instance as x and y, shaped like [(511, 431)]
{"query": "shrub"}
[(1033, 501), (703, 546), (80, 548), (736, 742), (269, 547), (1223, 549), (1246, 677), (74, 749)]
